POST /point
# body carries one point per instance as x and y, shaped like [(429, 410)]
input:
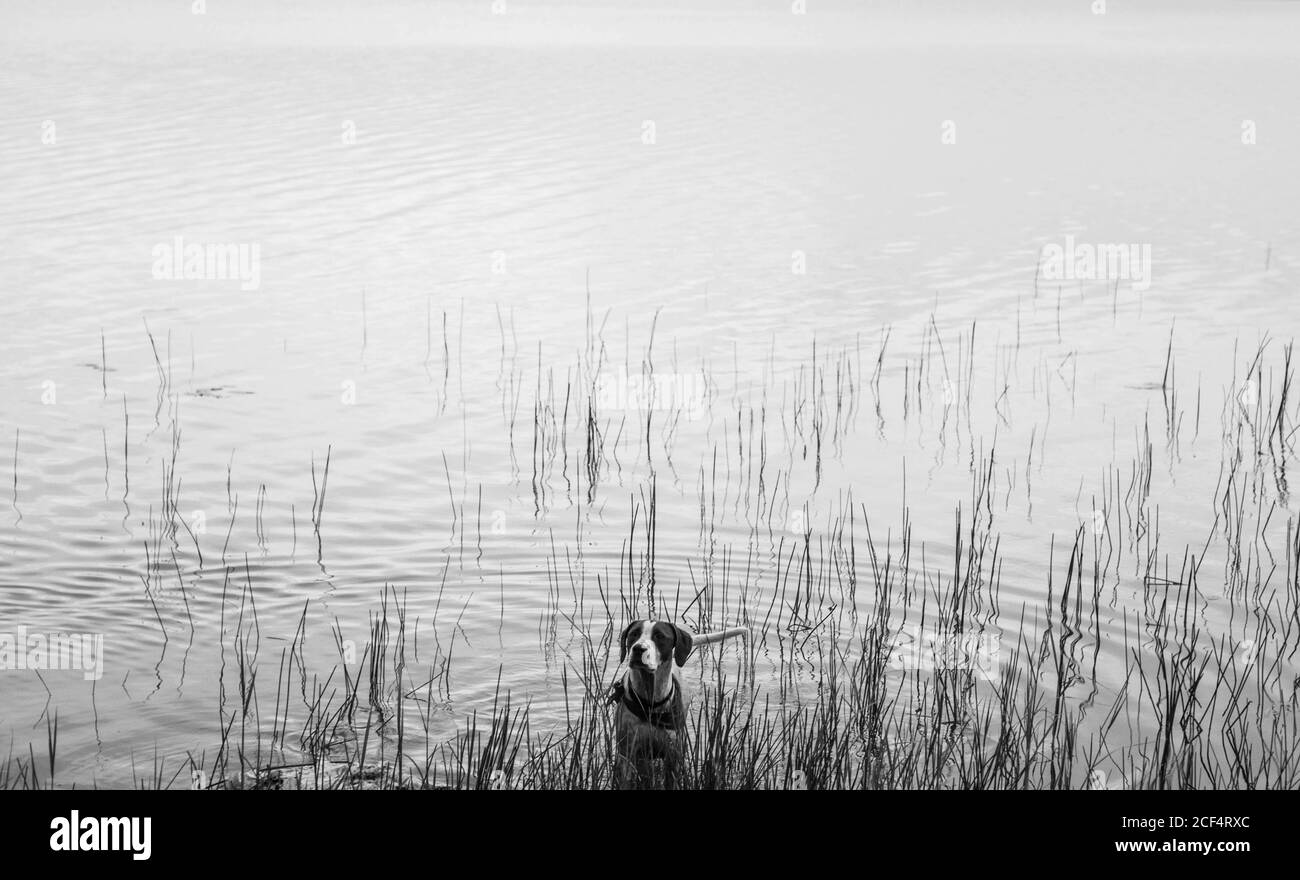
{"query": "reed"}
[(874, 663), (854, 706)]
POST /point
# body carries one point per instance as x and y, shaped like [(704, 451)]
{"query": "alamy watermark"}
[(1097, 262), (83, 652), (669, 392), (77, 833), (176, 261), (921, 648)]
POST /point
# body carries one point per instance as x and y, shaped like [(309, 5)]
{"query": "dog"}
[(651, 698)]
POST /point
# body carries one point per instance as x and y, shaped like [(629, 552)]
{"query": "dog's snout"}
[(640, 655)]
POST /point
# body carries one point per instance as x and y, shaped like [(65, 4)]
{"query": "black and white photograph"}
[(534, 395)]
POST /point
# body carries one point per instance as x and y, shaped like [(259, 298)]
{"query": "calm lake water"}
[(444, 219)]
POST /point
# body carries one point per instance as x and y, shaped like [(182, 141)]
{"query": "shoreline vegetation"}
[(996, 695)]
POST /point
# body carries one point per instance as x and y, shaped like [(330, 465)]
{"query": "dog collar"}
[(651, 713)]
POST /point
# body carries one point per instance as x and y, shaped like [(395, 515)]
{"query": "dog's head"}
[(652, 643)]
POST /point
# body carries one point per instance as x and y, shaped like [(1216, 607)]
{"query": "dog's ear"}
[(623, 639), (681, 645)]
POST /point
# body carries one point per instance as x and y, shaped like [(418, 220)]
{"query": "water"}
[(443, 215)]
